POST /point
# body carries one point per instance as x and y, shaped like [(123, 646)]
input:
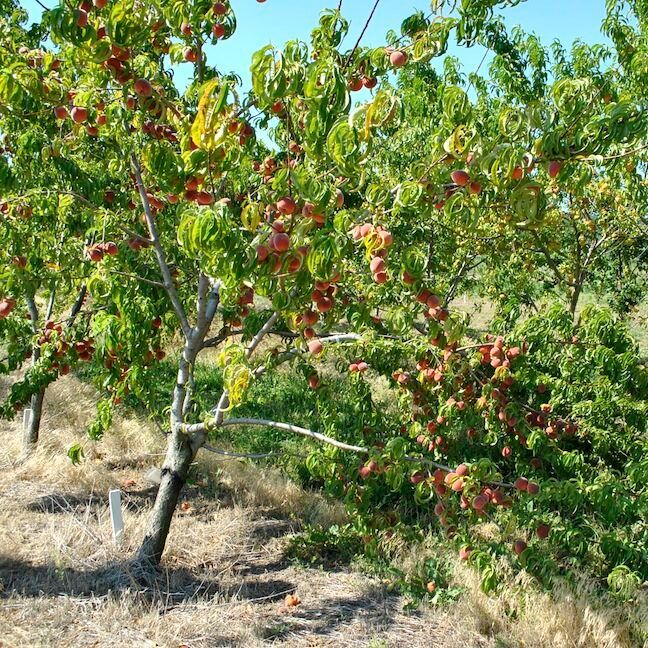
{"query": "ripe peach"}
[(262, 253), (554, 168), (519, 546), (280, 242), (462, 470), (464, 553), (143, 88), (204, 198), (111, 248), (543, 531), (480, 502), (533, 488), (286, 206), (6, 306), (218, 30), (460, 177), (457, 485), (313, 381), (95, 254), (324, 305), (398, 58), (190, 54), (219, 8), (355, 84), (81, 18), (521, 483), (310, 318), (60, 112), (474, 187), (369, 82), (377, 265), (315, 347), (78, 114)]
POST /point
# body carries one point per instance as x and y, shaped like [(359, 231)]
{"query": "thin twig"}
[(362, 33)]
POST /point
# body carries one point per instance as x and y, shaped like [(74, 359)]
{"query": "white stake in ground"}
[(27, 417), (114, 499)]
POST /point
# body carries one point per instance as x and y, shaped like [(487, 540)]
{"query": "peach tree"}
[(198, 237)]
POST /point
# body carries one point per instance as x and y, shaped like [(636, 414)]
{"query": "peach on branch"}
[(398, 58), (519, 546), (286, 206), (79, 114), (460, 178), (143, 88), (315, 346), (521, 484), (6, 306), (554, 168)]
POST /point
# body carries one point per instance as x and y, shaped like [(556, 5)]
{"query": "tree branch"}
[(362, 33), (50, 305), (151, 282), (159, 251), (320, 437)]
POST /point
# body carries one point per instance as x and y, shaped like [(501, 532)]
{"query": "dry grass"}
[(224, 575)]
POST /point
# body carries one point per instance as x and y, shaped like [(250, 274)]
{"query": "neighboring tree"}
[(586, 233), (217, 247), (41, 257)]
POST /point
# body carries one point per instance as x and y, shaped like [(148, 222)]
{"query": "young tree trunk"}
[(181, 447), (30, 434), (174, 474)]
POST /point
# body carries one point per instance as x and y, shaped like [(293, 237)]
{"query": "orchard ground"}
[(226, 571)]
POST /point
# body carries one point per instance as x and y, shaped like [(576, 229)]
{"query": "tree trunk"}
[(30, 434), (174, 474)]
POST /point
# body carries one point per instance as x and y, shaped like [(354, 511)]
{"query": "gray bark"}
[(30, 434), (181, 447), (174, 475)]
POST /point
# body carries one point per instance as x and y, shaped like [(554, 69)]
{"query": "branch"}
[(362, 33), (159, 251), (50, 305), (324, 439), (291, 353), (249, 455), (550, 261), (296, 429), (263, 331), (151, 282), (76, 307)]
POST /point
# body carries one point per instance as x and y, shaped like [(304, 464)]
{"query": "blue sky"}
[(276, 21)]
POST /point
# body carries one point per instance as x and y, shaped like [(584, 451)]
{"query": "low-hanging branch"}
[(203, 428)]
